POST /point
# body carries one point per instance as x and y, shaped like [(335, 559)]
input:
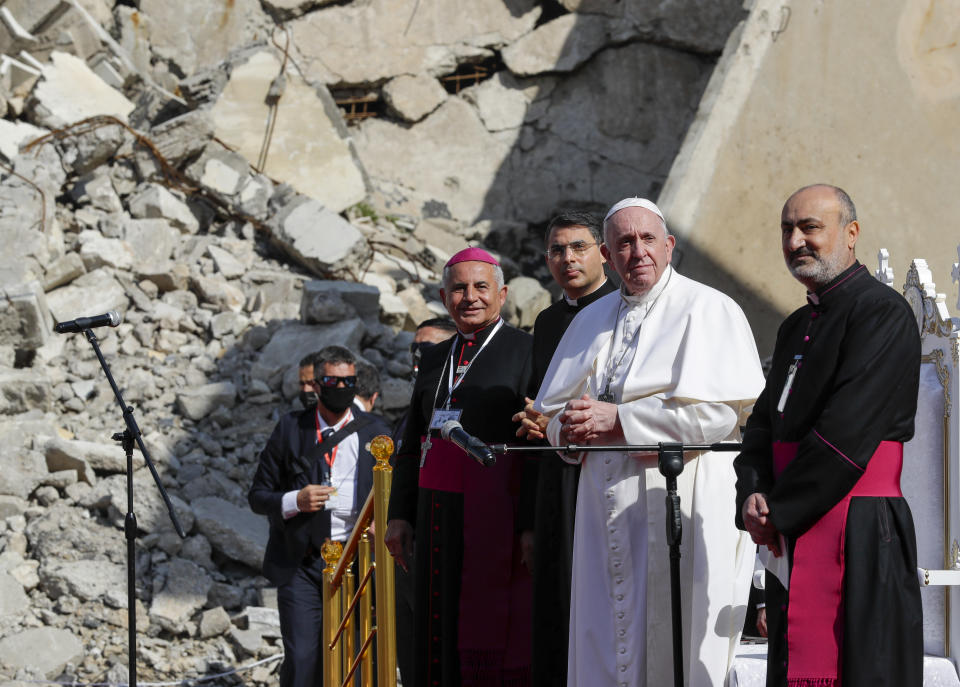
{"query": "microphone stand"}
[(670, 463), (127, 438)]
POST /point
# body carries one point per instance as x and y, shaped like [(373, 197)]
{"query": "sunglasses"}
[(333, 380)]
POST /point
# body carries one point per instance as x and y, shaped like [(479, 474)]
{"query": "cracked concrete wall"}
[(856, 94)]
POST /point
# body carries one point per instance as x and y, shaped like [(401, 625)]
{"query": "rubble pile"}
[(188, 164)]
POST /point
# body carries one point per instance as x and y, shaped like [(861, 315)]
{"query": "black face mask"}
[(337, 399), (309, 399)]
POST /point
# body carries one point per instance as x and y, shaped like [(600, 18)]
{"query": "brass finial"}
[(331, 552), (382, 448)]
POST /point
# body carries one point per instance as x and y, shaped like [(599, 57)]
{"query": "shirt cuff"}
[(288, 505)]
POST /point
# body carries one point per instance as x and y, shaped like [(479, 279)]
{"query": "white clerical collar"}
[(472, 336), (650, 295), (572, 302)]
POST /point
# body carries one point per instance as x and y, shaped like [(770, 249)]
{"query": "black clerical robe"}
[(855, 387), (472, 593), (548, 504)]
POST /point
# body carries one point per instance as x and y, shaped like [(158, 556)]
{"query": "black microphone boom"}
[(451, 430), (107, 319)]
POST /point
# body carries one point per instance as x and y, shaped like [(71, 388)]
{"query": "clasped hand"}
[(585, 420), (756, 520)]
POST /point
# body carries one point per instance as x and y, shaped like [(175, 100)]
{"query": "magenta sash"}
[(815, 613)]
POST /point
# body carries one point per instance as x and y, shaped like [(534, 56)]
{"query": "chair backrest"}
[(931, 461)]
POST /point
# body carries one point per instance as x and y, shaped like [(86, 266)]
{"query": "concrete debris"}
[(413, 97), (560, 45), (69, 91), (305, 140), (320, 240), (45, 650), (243, 202)]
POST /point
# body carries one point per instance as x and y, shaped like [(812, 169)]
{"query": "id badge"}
[(441, 415)]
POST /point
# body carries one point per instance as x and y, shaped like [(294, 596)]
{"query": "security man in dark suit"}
[(314, 475)]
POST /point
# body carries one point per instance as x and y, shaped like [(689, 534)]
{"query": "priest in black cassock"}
[(472, 609), (549, 496), (818, 481)]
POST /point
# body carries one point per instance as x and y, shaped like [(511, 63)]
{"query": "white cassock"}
[(691, 374)]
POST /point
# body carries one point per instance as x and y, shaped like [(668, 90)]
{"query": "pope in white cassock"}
[(664, 359)]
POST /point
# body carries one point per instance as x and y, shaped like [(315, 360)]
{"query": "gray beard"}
[(818, 273)]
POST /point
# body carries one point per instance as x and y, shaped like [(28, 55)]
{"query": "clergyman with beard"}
[(818, 481)]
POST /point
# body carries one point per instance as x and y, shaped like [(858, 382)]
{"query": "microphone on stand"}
[(451, 430), (108, 319)]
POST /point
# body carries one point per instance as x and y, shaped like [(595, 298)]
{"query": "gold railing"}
[(346, 603)]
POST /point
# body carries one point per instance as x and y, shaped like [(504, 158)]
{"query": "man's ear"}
[(852, 232), (605, 252)]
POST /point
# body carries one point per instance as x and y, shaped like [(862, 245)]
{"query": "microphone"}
[(451, 430), (107, 319)]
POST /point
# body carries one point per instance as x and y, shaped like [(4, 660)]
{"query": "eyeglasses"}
[(558, 251), (333, 380)]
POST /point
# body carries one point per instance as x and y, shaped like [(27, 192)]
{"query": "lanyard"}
[(332, 456), (451, 384)]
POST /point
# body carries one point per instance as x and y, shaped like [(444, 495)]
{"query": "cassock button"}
[(436, 528), (806, 338), (623, 650), (623, 669), (620, 615), (622, 632), (783, 607), (619, 597), (436, 549)]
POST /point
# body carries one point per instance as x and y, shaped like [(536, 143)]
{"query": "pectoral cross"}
[(606, 396), (425, 449)]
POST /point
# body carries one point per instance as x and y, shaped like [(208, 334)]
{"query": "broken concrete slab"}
[(412, 97), (94, 293), (88, 580), (152, 241), (156, 201), (183, 594), (62, 454), (15, 134), (180, 30), (182, 137), (291, 342), (237, 533), (13, 600), (308, 141), (151, 511), (196, 403), (502, 101), (70, 91), (21, 390), (697, 25), (44, 649), (219, 292), (560, 45), (525, 299), (97, 252), (24, 315), (62, 271), (449, 158), (333, 301), (368, 42), (319, 239)]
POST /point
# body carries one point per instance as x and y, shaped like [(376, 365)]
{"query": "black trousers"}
[(300, 604)]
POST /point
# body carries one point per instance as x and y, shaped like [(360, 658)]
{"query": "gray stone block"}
[(87, 580), (320, 240), (235, 532), (199, 402), (44, 649), (333, 301)]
